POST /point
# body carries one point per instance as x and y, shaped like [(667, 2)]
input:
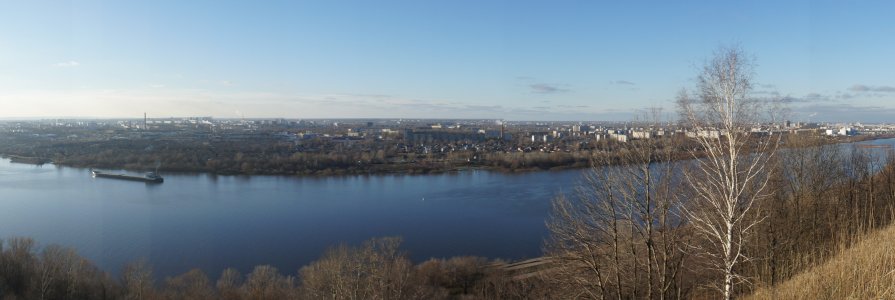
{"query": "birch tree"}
[(728, 174)]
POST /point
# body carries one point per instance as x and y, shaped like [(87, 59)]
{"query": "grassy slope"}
[(865, 271)]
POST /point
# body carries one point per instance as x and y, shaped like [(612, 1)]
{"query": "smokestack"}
[(144, 121)]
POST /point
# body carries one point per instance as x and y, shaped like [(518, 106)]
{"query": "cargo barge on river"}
[(151, 177)]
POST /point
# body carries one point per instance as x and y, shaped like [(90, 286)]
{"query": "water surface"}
[(213, 222)]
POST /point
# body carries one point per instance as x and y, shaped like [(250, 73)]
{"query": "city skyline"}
[(408, 59)]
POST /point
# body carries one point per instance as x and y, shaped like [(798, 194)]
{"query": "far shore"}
[(382, 169)]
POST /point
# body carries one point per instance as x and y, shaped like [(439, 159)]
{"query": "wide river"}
[(214, 222)]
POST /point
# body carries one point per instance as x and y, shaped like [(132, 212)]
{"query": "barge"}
[(150, 177)]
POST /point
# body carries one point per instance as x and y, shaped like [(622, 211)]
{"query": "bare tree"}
[(17, 266), (137, 281), (228, 284), (377, 270), (728, 176), (265, 282), (620, 236), (192, 285), (51, 268)]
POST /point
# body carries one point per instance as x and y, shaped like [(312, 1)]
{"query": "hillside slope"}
[(865, 271)]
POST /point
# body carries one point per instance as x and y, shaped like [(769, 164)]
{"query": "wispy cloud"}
[(623, 82), (68, 64), (844, 96), (846, 112), (572, 106), (217, 82), (808, 98), (536, 86), (543, 88), (813, 97), (766, 92), (488, 108), (867, 88)]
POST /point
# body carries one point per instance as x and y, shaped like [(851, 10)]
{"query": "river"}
[(214, 222)]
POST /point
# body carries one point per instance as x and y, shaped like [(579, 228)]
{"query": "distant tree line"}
[(273, 157)]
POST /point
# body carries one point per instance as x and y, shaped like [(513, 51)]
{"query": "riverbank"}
[(178, 158), (27, 160)]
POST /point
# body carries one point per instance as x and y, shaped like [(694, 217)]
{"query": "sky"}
[(513, 60)]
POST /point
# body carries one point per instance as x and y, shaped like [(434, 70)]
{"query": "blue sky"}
[(517, 60)]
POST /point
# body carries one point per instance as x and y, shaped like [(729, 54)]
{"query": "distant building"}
[(712, 134), (541, 137), (846, 131), (422, 136), (619, 137), (640, 135)]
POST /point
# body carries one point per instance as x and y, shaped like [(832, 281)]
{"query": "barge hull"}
[(128, 177)]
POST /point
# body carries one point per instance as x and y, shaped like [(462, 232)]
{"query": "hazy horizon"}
[(512, 60), (633, 119)]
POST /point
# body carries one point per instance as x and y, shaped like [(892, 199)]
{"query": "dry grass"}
[(865, 271)]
